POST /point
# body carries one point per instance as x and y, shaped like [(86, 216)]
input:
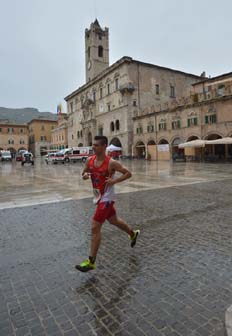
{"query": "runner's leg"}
[(115, 220), (96, 238)]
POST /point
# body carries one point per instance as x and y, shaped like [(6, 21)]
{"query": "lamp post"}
[(156, 139)]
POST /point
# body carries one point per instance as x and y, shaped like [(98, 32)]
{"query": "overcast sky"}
[(42, 42)]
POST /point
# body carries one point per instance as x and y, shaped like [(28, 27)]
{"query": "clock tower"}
[(96, 50)]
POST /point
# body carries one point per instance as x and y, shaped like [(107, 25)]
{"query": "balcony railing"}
[(126, 88)]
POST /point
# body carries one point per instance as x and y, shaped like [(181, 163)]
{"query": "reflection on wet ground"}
[(21, 186), (175, 282)]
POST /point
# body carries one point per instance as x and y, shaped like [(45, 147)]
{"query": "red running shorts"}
[(104, 211)]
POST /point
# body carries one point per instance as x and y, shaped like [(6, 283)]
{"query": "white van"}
[(6, 156), (78, 154)]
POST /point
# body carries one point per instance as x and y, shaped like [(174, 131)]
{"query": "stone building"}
[(13, 137), (115, 97), (59, 135), (206, 113), (40, 131)]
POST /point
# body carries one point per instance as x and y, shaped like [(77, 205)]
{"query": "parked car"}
[(50, 157), (58, 157), (6, 156), (27, 157), (19, 155)]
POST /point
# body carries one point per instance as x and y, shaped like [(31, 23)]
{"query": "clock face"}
[(89, 65)]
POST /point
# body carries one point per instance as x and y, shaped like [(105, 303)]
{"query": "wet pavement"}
[(176, 281), (29, 185)]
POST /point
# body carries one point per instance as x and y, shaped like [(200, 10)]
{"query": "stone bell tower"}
[(96, 50)]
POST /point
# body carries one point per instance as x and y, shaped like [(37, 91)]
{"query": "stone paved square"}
[(175, 282)]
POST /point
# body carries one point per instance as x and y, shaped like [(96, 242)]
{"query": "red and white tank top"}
[(98, 177)]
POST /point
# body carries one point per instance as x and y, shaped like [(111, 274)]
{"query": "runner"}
[(101, 168)]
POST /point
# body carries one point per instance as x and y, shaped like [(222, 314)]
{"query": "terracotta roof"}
[(42, 119), (228, 74)]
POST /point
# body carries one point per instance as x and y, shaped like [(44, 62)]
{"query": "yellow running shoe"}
[(134, 238), (86, 266)]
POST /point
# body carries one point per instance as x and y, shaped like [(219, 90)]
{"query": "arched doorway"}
[(214, 152), (116, 142), (176, 142), (140, 150), (192, 137), (163, 150), (115, 154), (213, 136), (151, 150), (177, 153), (193, 153), (163, 142)]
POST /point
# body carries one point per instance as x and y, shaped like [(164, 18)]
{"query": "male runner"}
[(101, 168)]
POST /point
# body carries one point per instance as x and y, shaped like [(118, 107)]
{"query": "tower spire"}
[(96, 23)]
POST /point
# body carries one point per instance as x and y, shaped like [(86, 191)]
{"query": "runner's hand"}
[(85, 176), (110, 181)]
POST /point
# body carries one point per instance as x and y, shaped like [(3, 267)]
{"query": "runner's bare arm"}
[(85, 171), (118, 167)]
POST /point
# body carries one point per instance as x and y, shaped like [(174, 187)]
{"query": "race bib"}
[(96, 195)]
